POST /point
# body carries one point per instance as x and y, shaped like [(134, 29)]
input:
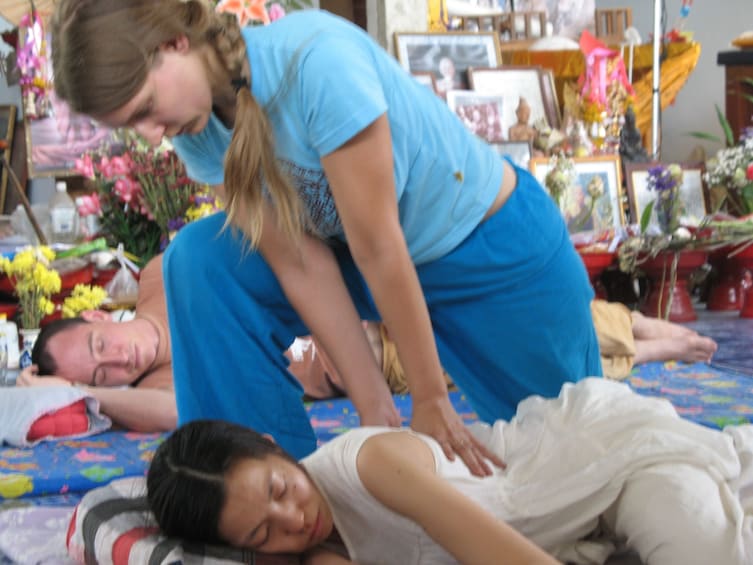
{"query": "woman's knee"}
[(678, 514)]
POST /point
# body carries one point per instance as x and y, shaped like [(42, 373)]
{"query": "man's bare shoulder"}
[(159, 378)]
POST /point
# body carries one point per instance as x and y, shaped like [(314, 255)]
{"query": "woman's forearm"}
[(313, 284)]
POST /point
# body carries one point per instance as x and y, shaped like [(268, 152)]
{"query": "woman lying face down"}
[(598, 467)]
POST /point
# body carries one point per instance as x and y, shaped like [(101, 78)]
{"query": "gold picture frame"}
[(7, 129), (580, 214)]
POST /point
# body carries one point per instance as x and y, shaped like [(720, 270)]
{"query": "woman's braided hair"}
[(102, 52)]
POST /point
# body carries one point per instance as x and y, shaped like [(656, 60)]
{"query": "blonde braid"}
[(250, 162)]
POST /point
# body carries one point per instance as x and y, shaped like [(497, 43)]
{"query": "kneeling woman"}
[(586, 471)]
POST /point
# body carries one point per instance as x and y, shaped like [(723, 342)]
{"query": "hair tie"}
[(239, 83)]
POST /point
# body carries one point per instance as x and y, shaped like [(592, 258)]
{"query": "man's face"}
[(105, 353)]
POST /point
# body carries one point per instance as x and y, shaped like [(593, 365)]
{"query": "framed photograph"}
[(56, 140), (447, 55), (594, 201), (694, 197), (56, 136), (7, 125), (427, 79), (519, 152), (481, 113), (551, 100), (515, 85)]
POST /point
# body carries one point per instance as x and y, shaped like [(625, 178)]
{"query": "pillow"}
[(70, 420), (113, 524), (29, 415)]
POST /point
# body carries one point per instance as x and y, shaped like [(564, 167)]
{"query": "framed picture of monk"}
[(447, 55), (594, 201)]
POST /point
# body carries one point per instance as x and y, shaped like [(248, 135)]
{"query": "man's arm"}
[(150, 407), (138, 409)]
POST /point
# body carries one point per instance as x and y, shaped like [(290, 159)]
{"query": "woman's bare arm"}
[(311, 279), (361, 176), (398, 470)]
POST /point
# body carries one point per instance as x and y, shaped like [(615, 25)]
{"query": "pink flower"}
[(85, 166), (749, 172), (276, 12), (90, 205), (127, 189), (121, 165)]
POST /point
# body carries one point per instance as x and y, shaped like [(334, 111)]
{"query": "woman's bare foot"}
[(659, 340)]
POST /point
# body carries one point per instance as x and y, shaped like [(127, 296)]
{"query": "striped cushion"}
[(112, 524)]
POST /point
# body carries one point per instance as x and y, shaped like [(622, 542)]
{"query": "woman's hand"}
[(381, 413), (438, 419), (29, 377)]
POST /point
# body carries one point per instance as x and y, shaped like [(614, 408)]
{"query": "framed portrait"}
[(551, 101), (481, 113), (594, 201), (56, 136), (427, 79), (694, 197), (54, 141), (7, 125), (447, 55), (519, 152), (514, 84)]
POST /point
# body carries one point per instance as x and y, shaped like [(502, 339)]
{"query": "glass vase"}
[(28, 339)]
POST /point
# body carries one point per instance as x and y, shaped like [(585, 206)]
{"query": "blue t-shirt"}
[(322, 80)]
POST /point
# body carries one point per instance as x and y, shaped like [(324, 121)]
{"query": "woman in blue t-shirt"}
[(356, 193)]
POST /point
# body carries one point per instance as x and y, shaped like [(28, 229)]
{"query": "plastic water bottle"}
[(8, 349), (63, 216), (10, 330)]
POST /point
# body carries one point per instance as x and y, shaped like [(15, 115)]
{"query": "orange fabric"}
[(67, 421)]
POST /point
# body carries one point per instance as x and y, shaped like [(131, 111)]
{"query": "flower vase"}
[(28, 339), (665, 214), (668, 295)]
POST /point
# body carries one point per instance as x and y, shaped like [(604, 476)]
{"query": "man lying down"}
[(127, 365)]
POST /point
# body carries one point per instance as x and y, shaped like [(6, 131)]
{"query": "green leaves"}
[(729, 139), (646, 215)]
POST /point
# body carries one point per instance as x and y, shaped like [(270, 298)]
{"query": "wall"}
[(385, 17), (715, 24)]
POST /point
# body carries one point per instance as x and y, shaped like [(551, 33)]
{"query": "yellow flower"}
[(83, 297), (34, 283)]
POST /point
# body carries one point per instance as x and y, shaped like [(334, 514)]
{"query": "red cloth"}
[(67, 421)]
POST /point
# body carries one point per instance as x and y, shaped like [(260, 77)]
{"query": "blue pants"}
[(510, 308)]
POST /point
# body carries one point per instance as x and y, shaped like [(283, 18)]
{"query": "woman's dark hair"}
[(40, 355), (186, 479)]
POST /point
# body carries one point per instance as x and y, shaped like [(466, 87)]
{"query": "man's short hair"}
[(40, 355)]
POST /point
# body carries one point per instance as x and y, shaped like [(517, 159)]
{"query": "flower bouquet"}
[(141, 196), (34, 283), (669, 256), (83, 297), (560, 178), (730, 172)]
